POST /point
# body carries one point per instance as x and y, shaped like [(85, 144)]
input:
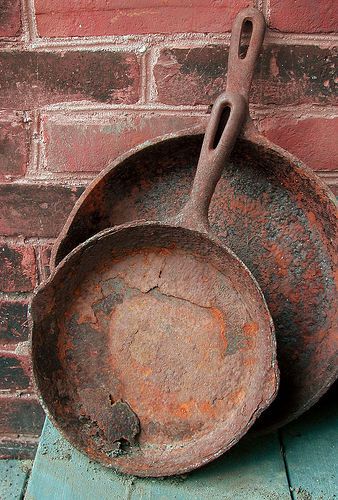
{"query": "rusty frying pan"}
[(272, 210), (153, 349)]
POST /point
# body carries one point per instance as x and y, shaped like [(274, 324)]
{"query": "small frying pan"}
[(153, 348)]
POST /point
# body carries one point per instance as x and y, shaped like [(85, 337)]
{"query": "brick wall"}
[(82, 81)]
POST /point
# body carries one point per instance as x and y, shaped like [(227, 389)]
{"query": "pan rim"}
[(249, 134), (271, 366)]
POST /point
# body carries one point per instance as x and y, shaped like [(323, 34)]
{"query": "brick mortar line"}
[(149, 82), (16, 396), (11, 114), (143, 76), (33, 438), (4, 351), (28, 22), (16, 296), (23, 241), (78, 107), (154, 55), (266, 9), (130, 43), (70, 112), (39, 264), (35, 139), (82, 179), (79, 180), (16, 349)]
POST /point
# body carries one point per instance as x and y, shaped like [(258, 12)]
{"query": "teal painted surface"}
[(311, 453), (13, 478), (254, 469), (62, 473)]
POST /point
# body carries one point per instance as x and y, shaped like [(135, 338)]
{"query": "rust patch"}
[(125, 426)]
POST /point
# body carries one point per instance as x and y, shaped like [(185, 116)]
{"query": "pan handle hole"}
[(246, 33), (221, 125)]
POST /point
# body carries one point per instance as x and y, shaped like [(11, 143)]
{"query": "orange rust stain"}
[(184, 409), (64, 345), (217, 314), (311, 273), (295, 296), (163, 251), (236, 397), (245, 206), (251, 328), (147, 371), (282, 261), (311, 217), (249, 362), (207, 408)]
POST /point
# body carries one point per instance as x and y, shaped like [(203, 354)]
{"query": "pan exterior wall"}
[(83, 82)]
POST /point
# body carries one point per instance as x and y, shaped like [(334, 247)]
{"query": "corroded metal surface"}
[(153, 348), (277, 216), (166, 322)]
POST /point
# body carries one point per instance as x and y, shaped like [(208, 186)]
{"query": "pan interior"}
[(159, 347)]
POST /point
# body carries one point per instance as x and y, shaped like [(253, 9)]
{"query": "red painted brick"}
[(30, 79), (14, 372), (117, 17), (10, 18), (312, 140), (20, 416), (14, 149), (304, 16), (85, 144), (34, 210), (22, 448), (17, 268), (13, 322), (285, 75)]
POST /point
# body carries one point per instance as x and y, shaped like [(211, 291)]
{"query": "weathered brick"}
[(30, 79), (13, 322), (288, 75), (21, 448), (304, 16), (14, 372), (10, 18), (35, 210), (44, 256), (87, 145), (117, 17), (14, 149), (20, 416), (312, 140), (17, 268)]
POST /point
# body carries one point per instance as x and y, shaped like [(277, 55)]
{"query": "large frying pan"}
[(273, 211), (153, 348)]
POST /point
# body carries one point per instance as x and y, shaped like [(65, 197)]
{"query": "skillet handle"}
[(218, 143), (240, 70)]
